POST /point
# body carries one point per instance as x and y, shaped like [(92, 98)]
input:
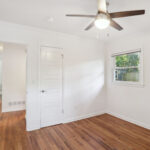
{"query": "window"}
[(127, 67)]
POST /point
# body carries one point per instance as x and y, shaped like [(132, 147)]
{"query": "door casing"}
[(55, 49)]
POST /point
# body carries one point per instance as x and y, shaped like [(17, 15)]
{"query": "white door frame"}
[(39, 87)]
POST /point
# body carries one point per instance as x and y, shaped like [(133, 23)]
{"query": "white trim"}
[(83, 116), (129, 83), (14, 109), (49, 46), (139, 123), (63, 111), (131, 67), (32, 127), (126, 52), (39, 76), (146, 126)]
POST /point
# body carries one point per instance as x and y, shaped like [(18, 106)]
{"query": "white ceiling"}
[(37, 12)]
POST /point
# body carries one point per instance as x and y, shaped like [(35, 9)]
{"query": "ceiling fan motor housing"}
[(102, 15)]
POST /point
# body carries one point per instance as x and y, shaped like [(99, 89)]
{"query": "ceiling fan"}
[(103, 18)]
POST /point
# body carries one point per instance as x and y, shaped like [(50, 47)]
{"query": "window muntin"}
[(127, 67)]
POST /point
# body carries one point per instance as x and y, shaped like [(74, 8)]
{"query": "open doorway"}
[(12, 77)]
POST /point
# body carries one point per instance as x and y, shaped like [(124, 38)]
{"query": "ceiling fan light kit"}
[(102, 21), (103, 18)]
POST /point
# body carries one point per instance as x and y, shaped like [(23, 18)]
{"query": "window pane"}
[(127, 60), (131, 74)]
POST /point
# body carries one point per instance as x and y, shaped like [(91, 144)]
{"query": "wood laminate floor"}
[(0, 106), (104, 132)]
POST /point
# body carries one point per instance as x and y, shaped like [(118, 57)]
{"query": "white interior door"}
[(51, 86)]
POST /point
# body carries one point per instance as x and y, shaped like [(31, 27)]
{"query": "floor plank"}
[(103, 132)]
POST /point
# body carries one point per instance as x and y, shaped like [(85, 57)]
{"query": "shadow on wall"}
[(86, 88)]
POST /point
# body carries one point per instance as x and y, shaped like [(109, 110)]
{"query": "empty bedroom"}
[(74, 75)]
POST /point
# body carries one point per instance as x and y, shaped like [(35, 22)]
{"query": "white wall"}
[(84, 91), (84, 86), (130, 103), (13, 77), (0, 74)]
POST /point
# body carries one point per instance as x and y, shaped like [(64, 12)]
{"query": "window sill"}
[(128, 84)]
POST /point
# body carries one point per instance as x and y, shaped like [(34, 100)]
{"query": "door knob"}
[(43, 91)]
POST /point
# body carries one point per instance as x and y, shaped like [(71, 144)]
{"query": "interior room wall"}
[(131, 103), (84, 86), (13, 77), (0, 74)]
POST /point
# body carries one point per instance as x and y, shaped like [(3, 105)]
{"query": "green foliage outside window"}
[(127, 60)]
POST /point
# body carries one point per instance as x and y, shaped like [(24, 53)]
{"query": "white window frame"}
[(129, 83)]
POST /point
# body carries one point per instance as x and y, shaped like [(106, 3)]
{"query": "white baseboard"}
[(67, 120), (147, 126), (32, 128), (13, 109), (35, 127)]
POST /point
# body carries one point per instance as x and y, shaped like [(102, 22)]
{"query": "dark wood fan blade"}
[(90, 25), (115, 25), (78, 15), (126, 13)]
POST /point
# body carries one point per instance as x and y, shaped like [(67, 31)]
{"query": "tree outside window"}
[(127, 67)]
